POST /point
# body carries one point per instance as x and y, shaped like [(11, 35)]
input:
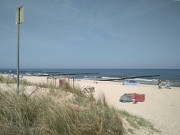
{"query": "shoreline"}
[(154, 83), (144, 81), (173, 75)]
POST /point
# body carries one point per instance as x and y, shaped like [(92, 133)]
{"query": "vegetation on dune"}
[(138, 122), (49, 114), (43, 115), (13, 80), (66, 87)]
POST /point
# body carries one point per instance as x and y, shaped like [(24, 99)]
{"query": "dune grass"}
[(49, 114), (138, 122), (23, 82), (31, 115), (13, 80)]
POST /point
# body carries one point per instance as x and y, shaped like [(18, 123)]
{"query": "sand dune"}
[(161, 106)]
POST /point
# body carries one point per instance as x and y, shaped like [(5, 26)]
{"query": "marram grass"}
[(46, 115), (42, 115), (13, 80)]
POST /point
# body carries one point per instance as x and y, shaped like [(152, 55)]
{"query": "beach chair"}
[(92, 89), (85, 90), (88, 89)]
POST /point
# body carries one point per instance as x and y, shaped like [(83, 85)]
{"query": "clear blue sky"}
[(91, 34)]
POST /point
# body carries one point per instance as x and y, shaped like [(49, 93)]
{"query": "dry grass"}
[(50, 114), (43, 115), (13, 80)]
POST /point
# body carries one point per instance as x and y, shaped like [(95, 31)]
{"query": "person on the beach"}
[(159, 84), (167, 85)]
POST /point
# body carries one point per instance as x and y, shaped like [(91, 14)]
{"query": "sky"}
[(91, 34)]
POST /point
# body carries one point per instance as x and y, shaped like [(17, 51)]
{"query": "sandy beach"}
[(161, 106)]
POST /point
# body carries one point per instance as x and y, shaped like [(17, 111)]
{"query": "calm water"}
[(165, 74)]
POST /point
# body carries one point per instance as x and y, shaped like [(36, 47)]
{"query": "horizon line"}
[(80, 68)]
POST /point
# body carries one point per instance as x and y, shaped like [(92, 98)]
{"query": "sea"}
[(142, 76)]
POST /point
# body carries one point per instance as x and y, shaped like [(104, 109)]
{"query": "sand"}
[(161, 106)]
